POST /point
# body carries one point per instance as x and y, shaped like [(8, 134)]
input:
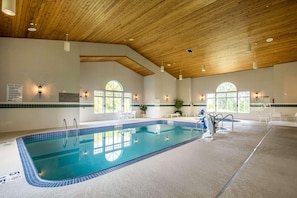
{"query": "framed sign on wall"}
[(14, 93)]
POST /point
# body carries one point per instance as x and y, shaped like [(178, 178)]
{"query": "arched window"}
[(112, 99), (114, 86), (228, 99), (226, 86)]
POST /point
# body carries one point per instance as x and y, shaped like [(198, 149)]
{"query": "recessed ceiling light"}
[(168, 64), (268, 40), (131, 39)]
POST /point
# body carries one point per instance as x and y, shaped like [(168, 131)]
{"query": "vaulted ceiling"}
[(185, 34)]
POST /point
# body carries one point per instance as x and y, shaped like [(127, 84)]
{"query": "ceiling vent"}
[(189, 51)]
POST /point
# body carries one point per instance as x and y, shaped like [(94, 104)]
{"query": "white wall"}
[(156, 87), (95, 75), (14, 119), (31, 62), (284, 83), (276, 82), (260, 80), (167, 87), (149, 89), (184, 90)]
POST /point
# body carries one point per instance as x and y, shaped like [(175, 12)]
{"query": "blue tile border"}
[(31, 174)]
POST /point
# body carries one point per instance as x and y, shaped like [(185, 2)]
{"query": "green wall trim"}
[(13, 106), (273, 105), (78, 105)]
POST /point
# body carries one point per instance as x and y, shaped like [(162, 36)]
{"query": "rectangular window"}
[(109, 103), (112, 101), (226, 101), (232, 102), (118, 101), (210, 102), (127, 102), (98, 102), (221, 102), (244, 102)]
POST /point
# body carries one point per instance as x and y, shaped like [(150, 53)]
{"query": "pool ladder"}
[(76, 131), (221, 119), (67, 132)]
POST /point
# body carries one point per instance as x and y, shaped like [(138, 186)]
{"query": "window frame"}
[(113, 99), (231, 99)]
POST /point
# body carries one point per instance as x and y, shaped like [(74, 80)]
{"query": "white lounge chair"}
[(277, 116), (132, 114), (263, 116)]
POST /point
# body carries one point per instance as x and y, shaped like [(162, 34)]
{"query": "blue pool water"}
[(55, 159)]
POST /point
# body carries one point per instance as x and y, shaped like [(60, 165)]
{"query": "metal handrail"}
[(231, 119), (66, 133), (214, 116), (223, 118), (74, 123), (76, 134), (217, 115)]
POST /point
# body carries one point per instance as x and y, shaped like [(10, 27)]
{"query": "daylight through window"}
[(228, 99), (112, 99)]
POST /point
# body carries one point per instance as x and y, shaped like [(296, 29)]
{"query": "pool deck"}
[(249, 161)]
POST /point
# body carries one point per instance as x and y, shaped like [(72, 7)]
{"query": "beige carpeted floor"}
[(203, 168)]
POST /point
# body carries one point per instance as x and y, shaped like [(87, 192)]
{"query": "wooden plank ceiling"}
[(216, 31)]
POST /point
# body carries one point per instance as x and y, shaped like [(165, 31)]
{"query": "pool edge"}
[(32, 177)]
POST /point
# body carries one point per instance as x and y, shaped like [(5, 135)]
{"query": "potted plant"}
[(178, 105), (143, 108)]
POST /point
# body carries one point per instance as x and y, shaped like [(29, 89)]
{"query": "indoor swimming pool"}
[(71, 156)]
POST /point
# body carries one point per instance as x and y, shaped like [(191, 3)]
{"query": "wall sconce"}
[(39, 90), (135, 97), (166, 97), (8, 7), (256, 95), (86, 94), (202, 97)]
